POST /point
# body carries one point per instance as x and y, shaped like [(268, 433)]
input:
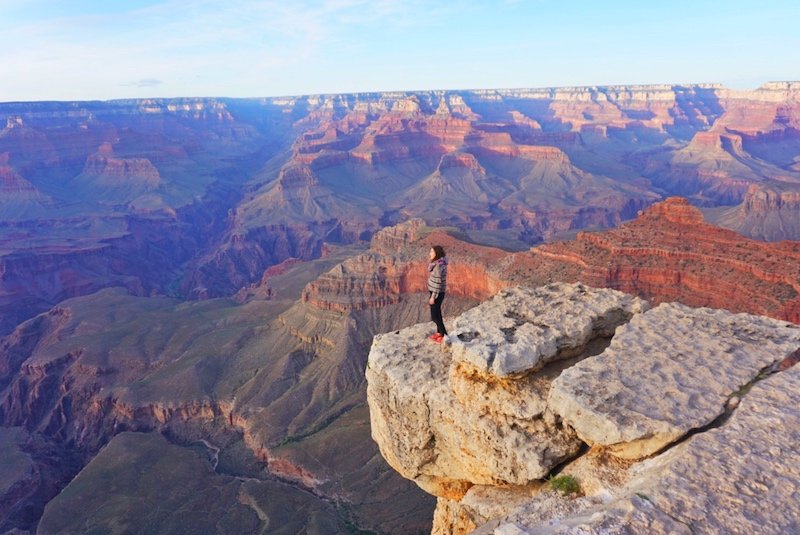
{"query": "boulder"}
[(522, 329)]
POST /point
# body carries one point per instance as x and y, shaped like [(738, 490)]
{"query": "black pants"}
[(436, 313)]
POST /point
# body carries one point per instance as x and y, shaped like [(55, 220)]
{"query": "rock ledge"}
[(532, 377)]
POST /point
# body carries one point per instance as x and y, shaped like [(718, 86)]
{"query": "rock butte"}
[(669, 253), (689, 415)]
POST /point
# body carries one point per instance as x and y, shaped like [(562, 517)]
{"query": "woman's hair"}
[(438, 251)]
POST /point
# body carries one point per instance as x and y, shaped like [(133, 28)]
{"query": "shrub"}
[(565, 484)]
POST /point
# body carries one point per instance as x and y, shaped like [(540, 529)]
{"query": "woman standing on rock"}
[(437, 285)]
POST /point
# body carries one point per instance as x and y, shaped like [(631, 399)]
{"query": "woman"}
[(437, 285)]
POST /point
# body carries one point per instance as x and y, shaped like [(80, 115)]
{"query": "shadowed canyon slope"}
[(213, 271)]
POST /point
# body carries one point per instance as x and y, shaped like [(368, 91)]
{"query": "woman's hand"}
[(431, 301)]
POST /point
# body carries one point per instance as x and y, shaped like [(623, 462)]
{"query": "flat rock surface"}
[(522, 329), (740, 478), (666, 372)]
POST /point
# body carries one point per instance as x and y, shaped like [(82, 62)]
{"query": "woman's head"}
[(437, 252)]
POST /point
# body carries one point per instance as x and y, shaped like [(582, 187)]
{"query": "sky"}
[(109, 49)]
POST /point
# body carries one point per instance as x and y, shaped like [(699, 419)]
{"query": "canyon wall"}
[(272, 377)]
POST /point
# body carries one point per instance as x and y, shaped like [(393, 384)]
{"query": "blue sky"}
[(87, 49)]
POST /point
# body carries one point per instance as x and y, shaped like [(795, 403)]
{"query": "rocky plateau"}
[(669, 419)]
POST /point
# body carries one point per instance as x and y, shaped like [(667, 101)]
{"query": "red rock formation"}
[(669, 253), (538, 163), (397, 266)]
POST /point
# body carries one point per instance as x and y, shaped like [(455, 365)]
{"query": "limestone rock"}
[(428, 435), (522, 329), (480, 504), (433, 427), (665, 373), (662, 388), (739, 478)]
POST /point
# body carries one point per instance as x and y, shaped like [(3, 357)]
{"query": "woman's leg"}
[(436, 315)]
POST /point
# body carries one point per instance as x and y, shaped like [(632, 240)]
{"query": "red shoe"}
[(437, 338)]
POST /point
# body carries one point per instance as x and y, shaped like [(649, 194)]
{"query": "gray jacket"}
[(437, 277)]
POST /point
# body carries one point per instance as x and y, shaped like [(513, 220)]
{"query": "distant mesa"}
[(108, 170)]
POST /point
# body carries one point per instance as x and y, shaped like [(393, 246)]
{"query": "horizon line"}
[(708, 85)]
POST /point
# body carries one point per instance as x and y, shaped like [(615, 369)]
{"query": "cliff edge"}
[(669, 419)]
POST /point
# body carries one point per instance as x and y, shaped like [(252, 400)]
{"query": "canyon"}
[(213, 191), (204, 277)]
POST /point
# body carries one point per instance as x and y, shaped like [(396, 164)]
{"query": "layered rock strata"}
[(670, 253), (657, 406)]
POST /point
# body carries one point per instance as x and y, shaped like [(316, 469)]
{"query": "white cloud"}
[(145, 82)]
